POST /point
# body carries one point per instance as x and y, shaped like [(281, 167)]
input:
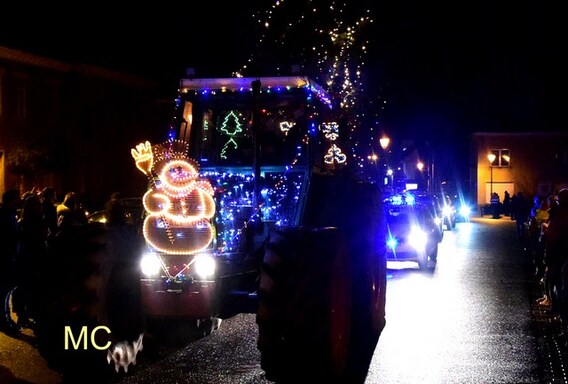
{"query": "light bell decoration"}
[(334, 153), (179, 204)]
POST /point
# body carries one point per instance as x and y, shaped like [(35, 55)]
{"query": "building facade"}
[(534, 163), (71, 126)]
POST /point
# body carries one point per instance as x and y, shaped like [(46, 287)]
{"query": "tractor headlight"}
[(204, 266), (150, 264)]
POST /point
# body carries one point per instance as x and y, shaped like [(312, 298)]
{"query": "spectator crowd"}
[(546, 235), (33, 228)]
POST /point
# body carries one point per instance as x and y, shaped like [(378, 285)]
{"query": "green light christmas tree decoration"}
[(230, 127)]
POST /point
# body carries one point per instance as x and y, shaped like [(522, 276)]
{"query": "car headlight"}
[(417, 238), (204, 265), (447, 211), (150, 264), (465, 211)]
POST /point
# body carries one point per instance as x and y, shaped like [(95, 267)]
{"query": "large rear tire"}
[(321, 301), (317, 316), (303, 314)]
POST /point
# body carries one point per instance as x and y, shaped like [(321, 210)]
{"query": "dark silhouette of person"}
[(520, 209), (69, 216), (48, 199), (31, 259), (120, 302), (9, 234), (71, 223), (556, 255), (495, 205), (507, 203)]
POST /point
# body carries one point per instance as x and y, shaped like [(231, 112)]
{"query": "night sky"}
[(445, 69)]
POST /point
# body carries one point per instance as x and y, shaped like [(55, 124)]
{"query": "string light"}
[(334, 53)]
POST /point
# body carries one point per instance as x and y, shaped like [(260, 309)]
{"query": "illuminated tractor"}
[(251, 209)]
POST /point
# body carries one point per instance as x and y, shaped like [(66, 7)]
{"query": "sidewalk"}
[(551, 343)]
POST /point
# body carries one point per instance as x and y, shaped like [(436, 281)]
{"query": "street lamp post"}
[(384, 141), (420, 166), (491, 157)]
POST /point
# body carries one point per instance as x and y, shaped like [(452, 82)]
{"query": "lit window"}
[(502, 158)]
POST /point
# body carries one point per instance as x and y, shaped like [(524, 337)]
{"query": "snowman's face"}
[(178, 176)]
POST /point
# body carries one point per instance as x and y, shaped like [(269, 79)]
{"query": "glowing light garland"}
[(334, 52), (234, 186), (234, 199)]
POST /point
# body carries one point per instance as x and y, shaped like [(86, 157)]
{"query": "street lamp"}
[(390, 174), (491, 157), (420, 166), (384, 141)]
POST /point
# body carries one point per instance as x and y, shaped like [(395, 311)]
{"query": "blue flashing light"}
[(402, 199), (396, 199), (392, 243)]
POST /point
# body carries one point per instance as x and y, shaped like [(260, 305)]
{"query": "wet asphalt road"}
[(467, 321), (472, 319)]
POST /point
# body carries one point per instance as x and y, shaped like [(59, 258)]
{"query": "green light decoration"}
[(230, 127)]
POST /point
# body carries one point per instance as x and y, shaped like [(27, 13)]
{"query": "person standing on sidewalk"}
[(520, 210), (495, 205), (9, 233), (556, 255), (48, 199)]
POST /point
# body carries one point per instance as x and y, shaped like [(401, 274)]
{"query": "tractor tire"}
[(314, 325), (322, 288), (294, 316)]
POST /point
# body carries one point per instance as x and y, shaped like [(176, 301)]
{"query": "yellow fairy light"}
[(143, 156)]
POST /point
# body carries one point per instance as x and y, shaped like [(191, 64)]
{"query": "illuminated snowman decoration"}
[(179, 204)]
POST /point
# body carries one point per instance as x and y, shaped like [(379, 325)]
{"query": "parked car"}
[(133, 212), (413, 232)]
